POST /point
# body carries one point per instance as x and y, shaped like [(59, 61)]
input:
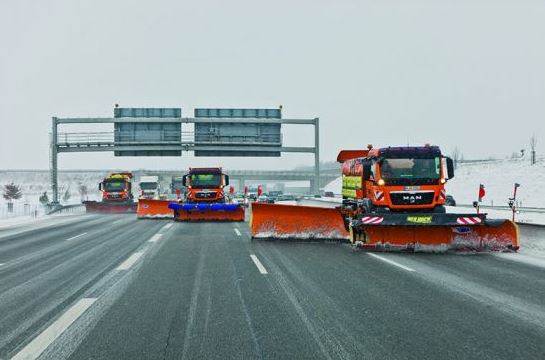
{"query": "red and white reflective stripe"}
[(469, 220), (372, 219), (379, 195), (443, 195)]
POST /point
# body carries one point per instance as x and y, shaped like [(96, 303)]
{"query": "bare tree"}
[(44, 199), (533, 143), (82, 189), (455, 156), (67, 195)]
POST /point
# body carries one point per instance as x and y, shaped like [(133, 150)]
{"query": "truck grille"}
[(407, 198), (205, 195)]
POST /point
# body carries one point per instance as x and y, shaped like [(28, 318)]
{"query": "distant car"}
[(449, 201), (329, 194), (241, 201), (263, 199), (286, 197)]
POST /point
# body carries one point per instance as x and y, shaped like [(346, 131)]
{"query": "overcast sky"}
[(466, 73)]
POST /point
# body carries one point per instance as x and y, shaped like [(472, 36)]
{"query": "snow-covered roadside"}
[(21, 224), (522, 217)]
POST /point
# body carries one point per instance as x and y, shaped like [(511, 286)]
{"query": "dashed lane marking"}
[(126, 265), (155, 238), (35, 348), (237, 232), (391, 262), (259, 265), (77, 236)]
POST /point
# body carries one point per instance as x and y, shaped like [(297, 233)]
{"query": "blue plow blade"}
[(204, 207)]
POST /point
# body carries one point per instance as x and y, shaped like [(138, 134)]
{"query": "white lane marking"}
[(1, 264), (126, 265), (155, 238), (259, 265), (75, 237), (115, 222), (391, 262), (237, 232), (35, 348), (167, 226)]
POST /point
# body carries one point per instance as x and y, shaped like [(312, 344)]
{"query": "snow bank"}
[(498, 178)]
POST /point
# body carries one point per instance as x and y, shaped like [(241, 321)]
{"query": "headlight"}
[(443, 180), (380, 182)]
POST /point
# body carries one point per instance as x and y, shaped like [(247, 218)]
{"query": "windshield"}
[(114, 185), (148, 185), (410, 169), (205, 181)]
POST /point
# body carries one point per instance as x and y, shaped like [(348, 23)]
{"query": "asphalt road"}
[(113, 287)]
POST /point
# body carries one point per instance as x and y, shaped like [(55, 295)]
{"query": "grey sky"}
[(466, 73)]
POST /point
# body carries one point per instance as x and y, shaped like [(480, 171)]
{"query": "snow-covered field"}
[(499, 177), (33, 184)]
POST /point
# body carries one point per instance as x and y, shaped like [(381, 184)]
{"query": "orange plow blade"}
[(386, 232), (275, 221), (490, 235), (154, 209)]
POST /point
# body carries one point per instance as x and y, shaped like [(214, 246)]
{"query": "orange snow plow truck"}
[(117, 195), (205, 200), (392, 199)]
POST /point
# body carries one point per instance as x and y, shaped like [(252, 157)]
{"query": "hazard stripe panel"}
[(469, 220), (372, 220)]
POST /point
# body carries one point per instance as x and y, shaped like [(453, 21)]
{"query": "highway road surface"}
[(113, 287)]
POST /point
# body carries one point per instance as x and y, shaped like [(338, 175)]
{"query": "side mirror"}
[(450, 168), (226, 180), (100, 187), (184, 180)]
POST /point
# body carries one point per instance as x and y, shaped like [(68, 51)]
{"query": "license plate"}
[(412, 188)]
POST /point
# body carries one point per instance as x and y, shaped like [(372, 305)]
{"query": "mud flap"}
[(275, 221), (95, 207), (154, 209), (207, 212)]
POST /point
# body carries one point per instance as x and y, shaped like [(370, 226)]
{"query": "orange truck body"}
[(205, 199), (393, 200), (121, 192), (211, 194), (364, 178), (116, 195)]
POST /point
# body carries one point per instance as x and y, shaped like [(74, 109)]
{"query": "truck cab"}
[(117, 187), (397, 179), (205, 185), (150, 187)]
